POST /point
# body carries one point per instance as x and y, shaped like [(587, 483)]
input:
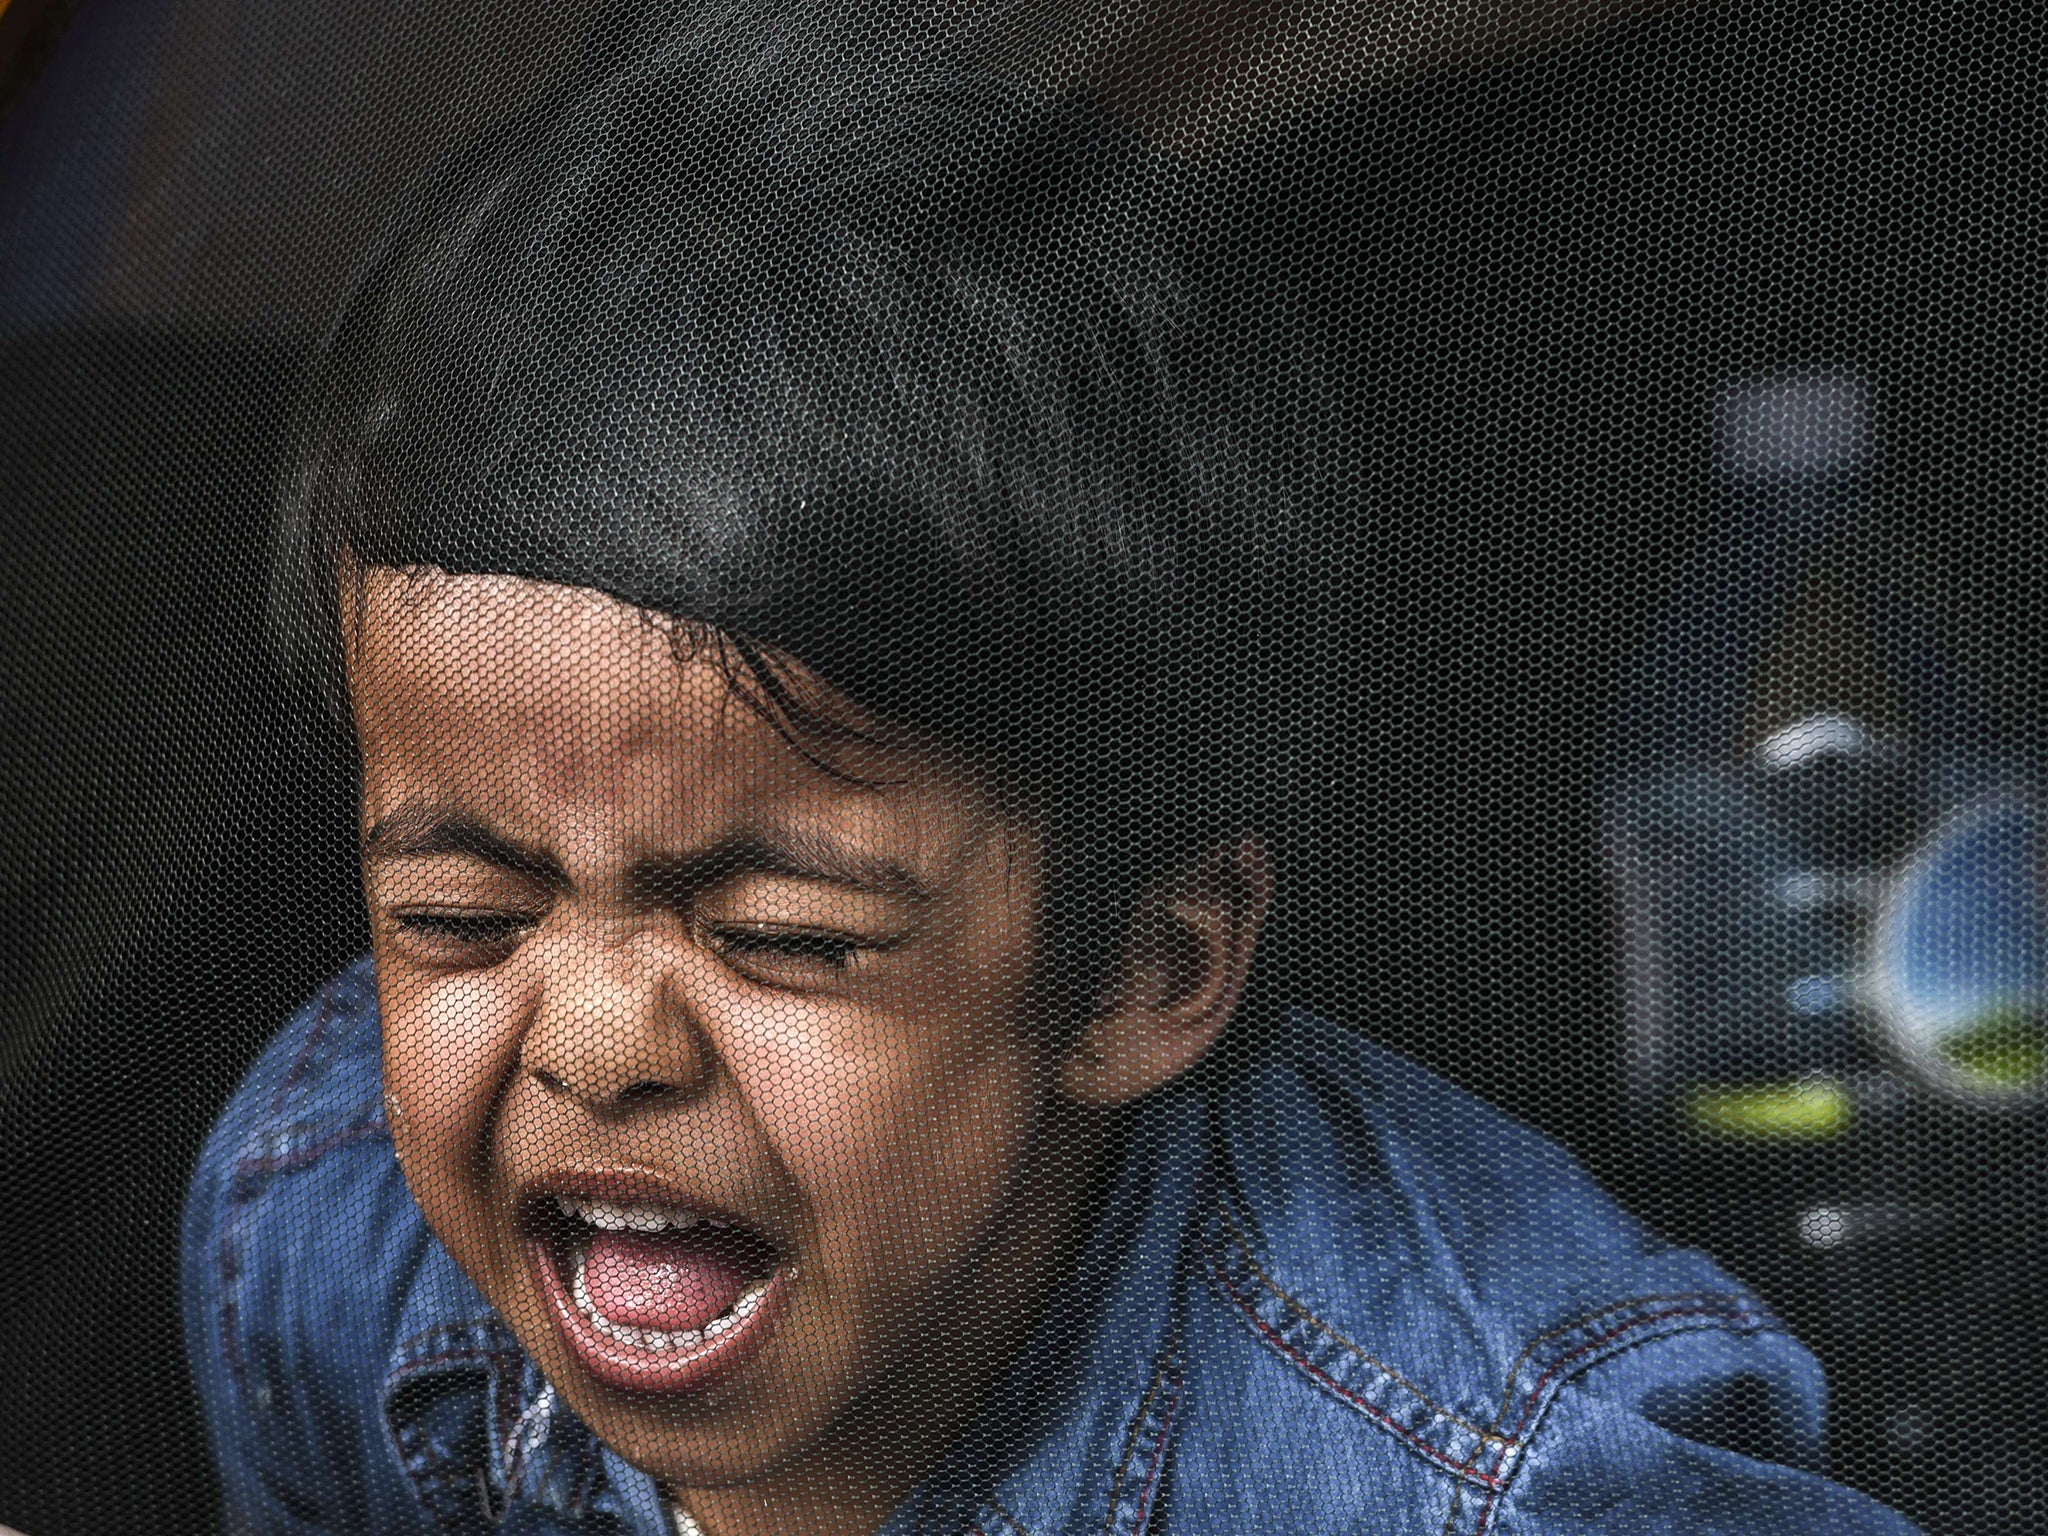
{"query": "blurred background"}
[(1672, 376)]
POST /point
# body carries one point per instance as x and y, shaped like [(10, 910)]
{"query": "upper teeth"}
[(609, 1217)]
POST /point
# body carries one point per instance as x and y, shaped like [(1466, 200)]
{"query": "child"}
[(804, 622)]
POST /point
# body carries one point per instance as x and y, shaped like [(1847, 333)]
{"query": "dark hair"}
[(849, 351)]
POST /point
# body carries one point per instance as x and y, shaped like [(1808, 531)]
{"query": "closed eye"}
[(833, 950), (481, 929)]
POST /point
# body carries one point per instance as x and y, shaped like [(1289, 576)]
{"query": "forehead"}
[(548, 699)]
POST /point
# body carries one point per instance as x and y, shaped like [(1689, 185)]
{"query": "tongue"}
[(674, 1281)]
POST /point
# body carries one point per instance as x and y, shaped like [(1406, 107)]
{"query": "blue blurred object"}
[(1954, 974)]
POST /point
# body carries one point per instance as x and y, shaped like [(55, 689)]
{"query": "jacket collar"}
[(479, 1432)]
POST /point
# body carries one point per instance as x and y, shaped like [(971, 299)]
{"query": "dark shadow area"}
[(178, 877)]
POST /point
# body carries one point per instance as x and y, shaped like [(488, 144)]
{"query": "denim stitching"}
[(1448, 1441), (1465, 1468), (1132, 1432), (1607, 1344), (1730, 1308), (252, 1172), (1159, 1447), (1707, 1309), (1727, 1299), (1152, 1425), (1731, 1312), (1723, 1310), (1457, 1508), (1300, 1310)]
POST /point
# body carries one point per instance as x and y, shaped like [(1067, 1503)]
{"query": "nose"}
[(611, 1029)]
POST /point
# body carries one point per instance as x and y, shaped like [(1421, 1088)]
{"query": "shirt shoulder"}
[(300, 1244), (321, 1071), (1446, 1308), (308, 1111), (1366, 1178)]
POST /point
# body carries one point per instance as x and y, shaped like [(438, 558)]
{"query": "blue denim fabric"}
[(1335, 1294)]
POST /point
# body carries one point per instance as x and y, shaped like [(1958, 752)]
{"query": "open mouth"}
[(652, 1296)]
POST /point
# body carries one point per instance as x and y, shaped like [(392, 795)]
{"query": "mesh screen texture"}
[(1028, 768)]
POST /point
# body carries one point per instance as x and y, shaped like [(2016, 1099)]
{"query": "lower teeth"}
[(655, 1338)]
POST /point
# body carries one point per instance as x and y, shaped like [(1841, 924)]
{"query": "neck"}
[(892, 1437)]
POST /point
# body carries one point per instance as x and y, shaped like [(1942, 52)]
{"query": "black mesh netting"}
[(1021, 768)]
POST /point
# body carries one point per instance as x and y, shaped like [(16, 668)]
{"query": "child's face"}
[(721, 1076)]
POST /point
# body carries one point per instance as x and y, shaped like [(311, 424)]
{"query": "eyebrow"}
[(428, 831), (800, 853)]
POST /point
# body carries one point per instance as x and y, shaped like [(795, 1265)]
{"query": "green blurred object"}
[(2005, 1049), (1810, 1109)]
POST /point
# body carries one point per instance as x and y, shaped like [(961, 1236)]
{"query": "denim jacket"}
[(1330, 1294)]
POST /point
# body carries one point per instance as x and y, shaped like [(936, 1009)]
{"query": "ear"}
[(1180, 978)]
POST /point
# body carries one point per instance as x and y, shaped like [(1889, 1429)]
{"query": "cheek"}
[(448, 1045), (901, 1125)]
